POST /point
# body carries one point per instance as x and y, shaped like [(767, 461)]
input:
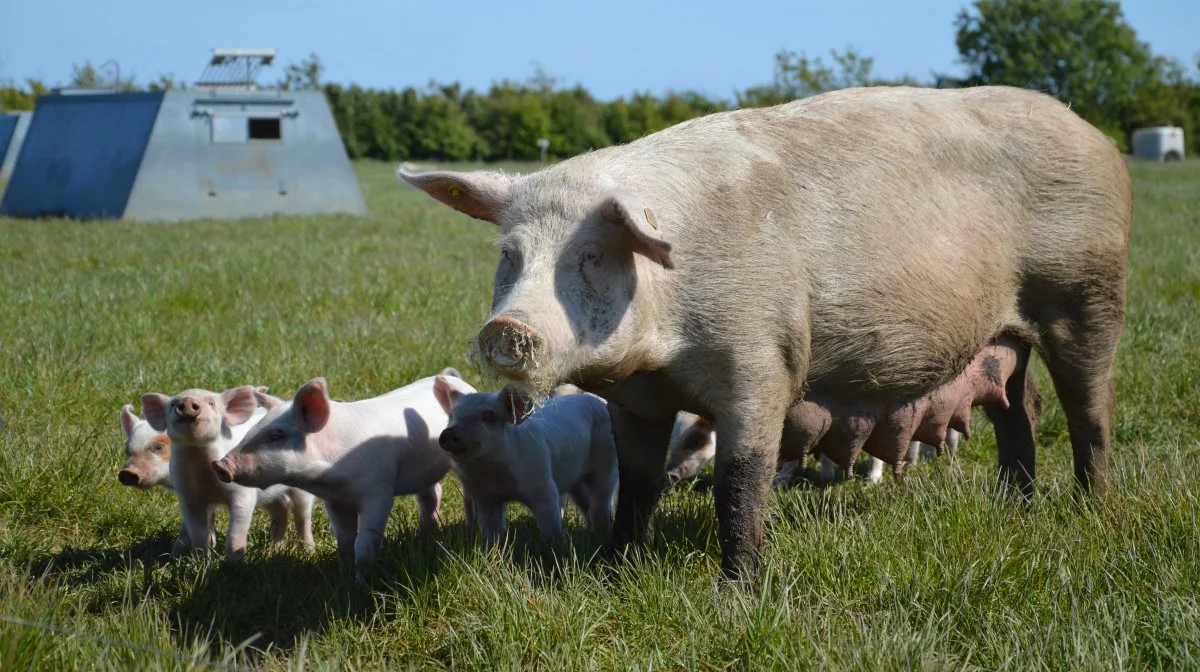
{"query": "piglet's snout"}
[(510, 347), (225, 469), (128, 477), (188, 408), (450, 440)]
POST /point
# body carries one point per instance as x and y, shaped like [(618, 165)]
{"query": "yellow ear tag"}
[(650, 219), (455, 191)]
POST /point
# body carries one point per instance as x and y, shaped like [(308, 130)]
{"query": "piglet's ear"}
[(311, 406), (154, 406), (239, 404), (627, 209), (267, 401), (482, 194), (518, 404), (444, 392), (128, 419)]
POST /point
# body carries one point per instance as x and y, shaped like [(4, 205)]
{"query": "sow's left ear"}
[(627, 209), (482, 194)]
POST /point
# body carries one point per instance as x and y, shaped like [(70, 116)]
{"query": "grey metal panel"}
[(8, 128), (185, 175), (7, 161), (81, 155)]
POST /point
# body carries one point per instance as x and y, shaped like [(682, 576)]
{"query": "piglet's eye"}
[(489, 416)]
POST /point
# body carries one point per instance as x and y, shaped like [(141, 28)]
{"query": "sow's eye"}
[(489, 416), (507, 272)]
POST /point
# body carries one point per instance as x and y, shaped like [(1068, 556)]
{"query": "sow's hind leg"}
[(1015, 429), (1079, 347)]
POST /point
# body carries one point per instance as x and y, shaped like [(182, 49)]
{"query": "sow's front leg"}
[(641, 457), (748, 438)]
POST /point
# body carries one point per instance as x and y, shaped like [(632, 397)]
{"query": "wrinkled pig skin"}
[(856, 249)]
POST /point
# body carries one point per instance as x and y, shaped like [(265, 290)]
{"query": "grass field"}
[(933, 572)]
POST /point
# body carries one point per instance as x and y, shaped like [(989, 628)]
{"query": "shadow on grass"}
[(272, 601), (79, 567)]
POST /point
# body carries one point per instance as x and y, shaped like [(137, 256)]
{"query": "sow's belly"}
[(839, 428)]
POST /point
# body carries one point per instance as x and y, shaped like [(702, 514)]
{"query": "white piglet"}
[(356, 456), (147, 464), (503, 453), (203, 426)]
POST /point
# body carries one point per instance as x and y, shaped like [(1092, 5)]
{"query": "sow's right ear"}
[(482, 194), (625, 208)]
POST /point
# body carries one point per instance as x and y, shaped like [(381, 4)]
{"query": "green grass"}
[(933, 572)]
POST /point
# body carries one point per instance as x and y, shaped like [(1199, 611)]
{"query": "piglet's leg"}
[(874, 470), (372, 523), (547, 510), (492, 523), (829, 470), (302, 506), (428, 502), (344, 521), (183, 542), (278, 512), (241, 511), (196, 518)]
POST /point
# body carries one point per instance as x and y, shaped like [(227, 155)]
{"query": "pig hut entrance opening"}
[(242, 145)]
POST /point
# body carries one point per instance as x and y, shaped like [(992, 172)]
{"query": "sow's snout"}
[(225, 469), (129, 477), (510, 348)]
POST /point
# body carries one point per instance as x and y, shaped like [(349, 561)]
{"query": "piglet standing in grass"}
[(356, 456), (503, 452), (147, 464), (202, 426)]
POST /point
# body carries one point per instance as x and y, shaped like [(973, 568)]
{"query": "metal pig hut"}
[(222, 150)]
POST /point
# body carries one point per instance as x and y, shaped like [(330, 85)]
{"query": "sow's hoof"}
[(840, 431)]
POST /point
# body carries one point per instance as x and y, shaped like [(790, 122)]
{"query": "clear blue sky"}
[(613, 47)]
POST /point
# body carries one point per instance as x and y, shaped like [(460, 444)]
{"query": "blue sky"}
[(613, 47)]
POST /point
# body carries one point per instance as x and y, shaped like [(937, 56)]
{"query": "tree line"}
[(1083, 52)]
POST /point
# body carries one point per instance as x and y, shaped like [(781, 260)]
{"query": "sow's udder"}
[(840, 431)]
